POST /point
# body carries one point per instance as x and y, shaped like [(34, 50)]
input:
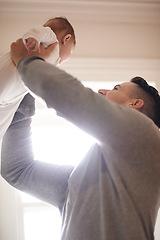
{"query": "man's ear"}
[(136, 103), (66, 38)]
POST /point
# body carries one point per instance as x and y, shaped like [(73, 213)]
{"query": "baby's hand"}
[(32, 45)]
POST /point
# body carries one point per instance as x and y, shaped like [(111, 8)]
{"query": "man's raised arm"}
[(45, 181)]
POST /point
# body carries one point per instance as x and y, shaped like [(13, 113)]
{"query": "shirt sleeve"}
[(45, 181), (105, 120)]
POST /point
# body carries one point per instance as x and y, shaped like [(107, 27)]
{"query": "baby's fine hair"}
[(153, 97), (59, 24)]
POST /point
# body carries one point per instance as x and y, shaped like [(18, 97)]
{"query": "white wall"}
[(11, 218)]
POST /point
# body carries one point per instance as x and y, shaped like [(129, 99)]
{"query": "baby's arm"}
[(32, 45)]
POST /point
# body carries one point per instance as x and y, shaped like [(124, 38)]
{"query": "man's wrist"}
[(28, 59)]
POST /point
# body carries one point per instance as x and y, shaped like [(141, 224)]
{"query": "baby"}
[(12, 89)]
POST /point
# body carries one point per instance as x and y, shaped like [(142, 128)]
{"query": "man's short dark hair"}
[(151, 99)]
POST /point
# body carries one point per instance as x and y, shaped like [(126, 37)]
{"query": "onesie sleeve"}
[(45, 181), (42, 34)]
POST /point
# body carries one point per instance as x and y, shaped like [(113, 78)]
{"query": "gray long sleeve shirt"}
[(114, 193)]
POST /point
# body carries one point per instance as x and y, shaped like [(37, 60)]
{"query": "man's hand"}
[(18, 50)]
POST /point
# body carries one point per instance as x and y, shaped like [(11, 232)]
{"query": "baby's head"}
[(65, 35)]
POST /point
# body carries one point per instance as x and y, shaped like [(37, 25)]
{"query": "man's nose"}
[(102, 91)]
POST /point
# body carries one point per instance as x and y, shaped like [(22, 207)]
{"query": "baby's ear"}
[(66, 38)]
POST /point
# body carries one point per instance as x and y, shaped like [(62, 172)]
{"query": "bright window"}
[(66, 144)]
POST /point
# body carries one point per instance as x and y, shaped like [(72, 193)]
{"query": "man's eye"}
[(115, 88)]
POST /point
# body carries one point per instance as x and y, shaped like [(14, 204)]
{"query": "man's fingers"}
[(17, 44), (46, 52), (18, 51), (12, 45), (19, 41), (50, 48)]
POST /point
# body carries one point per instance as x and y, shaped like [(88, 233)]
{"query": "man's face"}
[(121, 93)]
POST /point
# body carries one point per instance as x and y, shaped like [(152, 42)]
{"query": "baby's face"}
[(65, 51)]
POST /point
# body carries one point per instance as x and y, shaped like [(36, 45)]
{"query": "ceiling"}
[(114, 38), (119, 29)]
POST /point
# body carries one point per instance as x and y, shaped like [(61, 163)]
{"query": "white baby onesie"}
[(12, 89)]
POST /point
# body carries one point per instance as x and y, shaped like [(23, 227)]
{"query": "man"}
[(114, 193)]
